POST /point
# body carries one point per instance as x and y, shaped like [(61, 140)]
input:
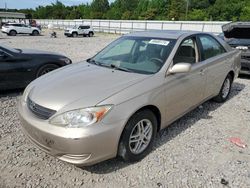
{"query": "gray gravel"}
[(193, 152)]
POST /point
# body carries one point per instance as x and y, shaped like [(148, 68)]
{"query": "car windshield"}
[(10, 49), (135, 54)]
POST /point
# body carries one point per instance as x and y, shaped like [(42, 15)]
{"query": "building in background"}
[(11, 17)]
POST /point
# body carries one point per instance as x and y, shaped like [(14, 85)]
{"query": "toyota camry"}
[(115, 103)]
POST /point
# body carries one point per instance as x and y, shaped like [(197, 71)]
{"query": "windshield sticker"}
[(159, 42)]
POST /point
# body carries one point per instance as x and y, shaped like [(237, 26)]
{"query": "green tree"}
[(99, 8), (177, 9)]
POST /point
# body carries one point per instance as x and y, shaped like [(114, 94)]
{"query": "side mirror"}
[(180, 68), (3, 55)]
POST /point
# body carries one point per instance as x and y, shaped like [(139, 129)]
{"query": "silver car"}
[(115, 103)]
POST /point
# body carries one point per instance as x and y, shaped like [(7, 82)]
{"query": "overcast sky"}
[(19, 4)]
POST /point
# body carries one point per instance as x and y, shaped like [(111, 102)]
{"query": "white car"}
[(13, 29), (84, 30)]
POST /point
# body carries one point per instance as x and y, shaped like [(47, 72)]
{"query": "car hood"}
[(80, 85), (35, 52), (237, 30)]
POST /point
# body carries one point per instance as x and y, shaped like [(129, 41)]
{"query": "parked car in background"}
[(18, 67), (115, 103), (84, 30), (237, 35), (13, 29)]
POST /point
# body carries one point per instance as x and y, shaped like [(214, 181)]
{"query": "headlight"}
[(81, 117), (66, 60), (26, 92)]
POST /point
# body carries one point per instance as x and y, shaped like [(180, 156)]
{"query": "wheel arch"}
[(153, 109), (232, 74), (13, 30), (45, 64)]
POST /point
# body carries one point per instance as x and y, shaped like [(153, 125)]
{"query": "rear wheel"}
[(74, 34), (138, 136), (45, 69), (225, 90), (35, 33), (12, 33), (91, 34)]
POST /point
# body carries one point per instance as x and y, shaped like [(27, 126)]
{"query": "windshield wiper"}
[(113, 66), (96, 62), (120, 68)]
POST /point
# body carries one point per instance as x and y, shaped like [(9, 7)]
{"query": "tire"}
[(74, 34), (91, 34), (35, 33), (225, 90), (12, 33), (128, 149), (45, 69)]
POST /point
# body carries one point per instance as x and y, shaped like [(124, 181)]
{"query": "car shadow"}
[(168, 133)]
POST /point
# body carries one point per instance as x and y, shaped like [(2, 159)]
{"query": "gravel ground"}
[(195, 151)]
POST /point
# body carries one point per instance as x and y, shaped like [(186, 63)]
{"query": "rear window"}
[(84, 27)]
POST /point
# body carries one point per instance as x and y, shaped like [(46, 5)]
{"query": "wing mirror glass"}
[(180, 68), (3, 55)]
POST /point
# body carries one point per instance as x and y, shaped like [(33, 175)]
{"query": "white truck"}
[(84, 30), (13, 29)]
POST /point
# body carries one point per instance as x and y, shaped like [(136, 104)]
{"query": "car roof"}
[(169, 34)]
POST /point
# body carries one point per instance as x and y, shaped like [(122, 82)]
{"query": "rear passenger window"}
[(211, 47)]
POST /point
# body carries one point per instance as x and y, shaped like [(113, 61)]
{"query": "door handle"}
[(202, 73)]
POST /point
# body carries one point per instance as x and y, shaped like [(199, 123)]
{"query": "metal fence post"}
[(109, 26), (120, 27), (203, 26)]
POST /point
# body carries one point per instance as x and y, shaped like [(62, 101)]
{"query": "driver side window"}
[(187, 52)]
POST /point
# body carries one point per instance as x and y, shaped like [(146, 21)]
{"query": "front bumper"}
[(79, 146), (68, 34), (245, 66), (245, 62)]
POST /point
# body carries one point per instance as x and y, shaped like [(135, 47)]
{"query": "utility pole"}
[(5, 6), (187, 9)]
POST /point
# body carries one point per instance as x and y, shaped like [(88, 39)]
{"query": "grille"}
[(245, 57), (39, 111)]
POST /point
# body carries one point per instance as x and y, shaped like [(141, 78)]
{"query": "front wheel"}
[(74, 34), (225, 90), (91, 34), (35, 33), (138, 136), (46, 69)]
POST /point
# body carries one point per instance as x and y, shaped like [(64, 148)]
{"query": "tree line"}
[(196, 10)]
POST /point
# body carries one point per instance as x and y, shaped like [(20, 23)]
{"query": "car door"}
[(80, 30), (26, 29), (86, 29), (215, 57), (12, 71), (184, 91)]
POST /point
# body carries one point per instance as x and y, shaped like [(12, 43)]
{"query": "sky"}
[(22, 4)]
